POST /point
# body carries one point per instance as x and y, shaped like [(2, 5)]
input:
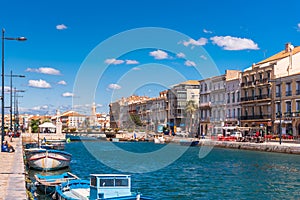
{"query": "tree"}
[(34, 124), (190, 109)]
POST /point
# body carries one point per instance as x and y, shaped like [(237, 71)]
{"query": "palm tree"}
[(35, 125), (190, 109)]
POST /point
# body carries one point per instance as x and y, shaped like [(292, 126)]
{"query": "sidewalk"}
[(12, 173)]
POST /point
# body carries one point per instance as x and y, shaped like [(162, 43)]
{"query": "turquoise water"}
[(222, 174)]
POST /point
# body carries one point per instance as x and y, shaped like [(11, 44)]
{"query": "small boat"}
[(189, 143), (47, 159), (46, 184), (100, 186), (159, 140)]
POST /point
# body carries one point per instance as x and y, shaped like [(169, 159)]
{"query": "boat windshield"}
[(113, 182)]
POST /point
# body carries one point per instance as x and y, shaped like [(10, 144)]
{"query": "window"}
[(268, 75), (233, 112), (298, 88), (253, 77), (121, 182), (260, 76), (260, 92), (253, 92), (228, 97), (233, 97), (106, 182), (278, 90), (238, 112), (93, 181), (288, 106), (253, 111), (229, 114), (238, 96), (298, 105), (288, 89)]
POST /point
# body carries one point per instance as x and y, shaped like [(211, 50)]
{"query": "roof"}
[(71, 114), (280, 55), (47, 125), (190, 82)]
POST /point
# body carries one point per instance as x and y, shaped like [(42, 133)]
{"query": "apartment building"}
[(178, 96), (232, 90), (218, 104), (259, 86), (204, 111)]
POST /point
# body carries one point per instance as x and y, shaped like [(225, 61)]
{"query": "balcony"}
[(248, 84), (206, 104), (288, 93), (252, 117), (258, 97)]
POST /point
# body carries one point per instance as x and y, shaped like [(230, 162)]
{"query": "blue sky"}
[(61, 35)]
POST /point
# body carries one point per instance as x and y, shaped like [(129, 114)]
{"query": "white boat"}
[(159, 140), (100, 186), (47, 159)]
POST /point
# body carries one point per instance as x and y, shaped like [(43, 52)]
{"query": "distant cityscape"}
[(262, 97)]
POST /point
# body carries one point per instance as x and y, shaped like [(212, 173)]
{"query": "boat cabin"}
[(109, 185)]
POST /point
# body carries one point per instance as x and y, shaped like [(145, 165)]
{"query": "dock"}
[(12, 172)]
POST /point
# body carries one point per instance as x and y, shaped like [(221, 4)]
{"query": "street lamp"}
[(2, 92), (11, 90), (16, 109), (279, 110)]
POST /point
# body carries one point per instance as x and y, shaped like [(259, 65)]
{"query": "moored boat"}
[(46, 184), (159, 139), (101, 186), (47, 159)]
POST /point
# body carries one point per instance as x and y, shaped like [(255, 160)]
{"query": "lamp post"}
[(11, 95), (2, 92), (16, 102)]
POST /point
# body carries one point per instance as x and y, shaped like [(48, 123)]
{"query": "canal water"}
[(222, 174)]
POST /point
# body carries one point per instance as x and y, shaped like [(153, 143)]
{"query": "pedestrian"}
[(10, 135)]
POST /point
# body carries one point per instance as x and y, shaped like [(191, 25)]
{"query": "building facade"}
[(178, 96), (233, 107), (204, 113)]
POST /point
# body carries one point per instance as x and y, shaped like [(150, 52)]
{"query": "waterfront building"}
[(103, 120), (124, 114), (258, 85), (156, 111), (233, 107), (204, 113), (73, 120), (218, 104), (178, 96)]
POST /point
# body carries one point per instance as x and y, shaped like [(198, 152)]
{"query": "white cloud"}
[(44, 70), (67, 94), (180, 55), (113, 61), (38, 84), (298, 27), (131, 62), (61, 27), (234, 43), (189, 63), (193, 43), (114, 86), (62, 82), (44, 107), (207, 31), (203, 57), (159, 54)]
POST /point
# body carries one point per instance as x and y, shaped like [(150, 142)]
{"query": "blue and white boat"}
[(47, 159), (46, 183), (101, 186)]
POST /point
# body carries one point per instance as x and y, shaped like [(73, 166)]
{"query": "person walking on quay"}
[(10, 135)]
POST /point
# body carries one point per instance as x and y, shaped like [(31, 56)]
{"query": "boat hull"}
[(43, 159)]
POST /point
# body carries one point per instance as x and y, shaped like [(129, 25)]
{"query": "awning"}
[(283, 121)]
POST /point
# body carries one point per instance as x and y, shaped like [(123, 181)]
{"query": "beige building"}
[(259, 86)]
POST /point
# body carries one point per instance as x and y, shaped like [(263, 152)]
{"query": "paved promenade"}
[(12, 173)]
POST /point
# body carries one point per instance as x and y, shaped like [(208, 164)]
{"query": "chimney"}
[(287, 47)]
